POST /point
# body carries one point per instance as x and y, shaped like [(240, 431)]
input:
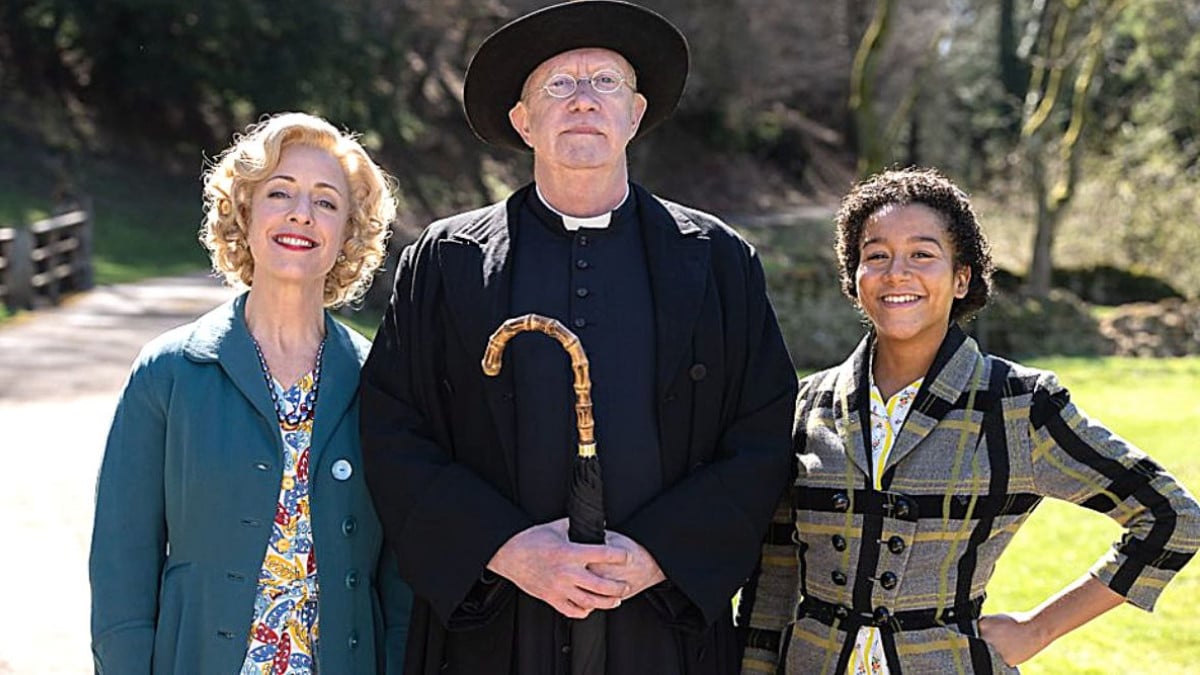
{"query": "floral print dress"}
[(886, 419), (284, 632)]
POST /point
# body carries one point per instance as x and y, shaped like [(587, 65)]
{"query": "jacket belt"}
[(849, 620)]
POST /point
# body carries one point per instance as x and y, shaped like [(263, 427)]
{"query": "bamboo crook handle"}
[(584, 423)]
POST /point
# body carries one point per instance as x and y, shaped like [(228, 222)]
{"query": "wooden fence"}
[(46, 259)]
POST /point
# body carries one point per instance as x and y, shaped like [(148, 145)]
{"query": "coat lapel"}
[(338, 385), (222, 336), (950, 376), (851, 406), (476, 269), (677, 255)]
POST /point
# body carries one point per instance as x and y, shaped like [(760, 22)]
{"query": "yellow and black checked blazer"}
[(984, 442)]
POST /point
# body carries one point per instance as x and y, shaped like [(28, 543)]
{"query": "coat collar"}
[(955, 369), (475, 266), (221, 337), (677, 255)]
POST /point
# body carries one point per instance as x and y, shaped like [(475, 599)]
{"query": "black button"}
[(838, 578), (583, 240), (841, 612), (896, 545), (349, 526), (839, 542), (581, 292), (262, 466), (235, 577), (227, 634), (351, 579), (580, 322), (352, 642), (881, 616), (582, 264), (888, 580), (902, 508), (841, 502), (697, 372), (566, 649)]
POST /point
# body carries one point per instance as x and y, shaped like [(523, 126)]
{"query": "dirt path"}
[(61, 370)]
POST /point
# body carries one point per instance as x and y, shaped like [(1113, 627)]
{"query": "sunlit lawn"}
[(1155, 404)]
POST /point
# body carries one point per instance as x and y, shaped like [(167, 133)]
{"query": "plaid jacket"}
[(984, 442)]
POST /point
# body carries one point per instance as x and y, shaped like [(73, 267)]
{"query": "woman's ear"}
[(962, 281)]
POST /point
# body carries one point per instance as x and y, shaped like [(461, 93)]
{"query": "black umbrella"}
[(585, 500)]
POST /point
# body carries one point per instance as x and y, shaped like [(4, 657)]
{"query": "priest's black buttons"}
[(888, 580), (580, 322), (896, 545), (582, 292), (697, 372), (838, 577), (839, 542), (583, 240), (582, 264), (841, 502)]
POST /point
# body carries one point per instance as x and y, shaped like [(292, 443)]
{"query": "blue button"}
[(342, 470)]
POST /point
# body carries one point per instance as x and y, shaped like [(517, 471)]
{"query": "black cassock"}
[(693, 392)]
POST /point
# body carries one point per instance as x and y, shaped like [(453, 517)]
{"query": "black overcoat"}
[(439, 436)]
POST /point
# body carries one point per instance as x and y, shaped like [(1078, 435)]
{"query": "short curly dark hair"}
[(917, 186)]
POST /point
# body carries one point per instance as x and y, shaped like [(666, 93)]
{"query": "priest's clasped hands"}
[(573, 578)]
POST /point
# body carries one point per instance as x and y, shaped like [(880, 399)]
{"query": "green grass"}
[(146, 223), (364, 321), (146, 218), (1153, 403)]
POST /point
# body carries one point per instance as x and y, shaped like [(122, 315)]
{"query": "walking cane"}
[(585, 501)]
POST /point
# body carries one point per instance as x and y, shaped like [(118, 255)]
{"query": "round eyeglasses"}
[(563, 85)]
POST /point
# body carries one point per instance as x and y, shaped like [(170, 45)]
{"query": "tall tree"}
[(1071, 47)]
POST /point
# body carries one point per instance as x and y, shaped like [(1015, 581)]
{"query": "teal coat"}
[(186, 498)]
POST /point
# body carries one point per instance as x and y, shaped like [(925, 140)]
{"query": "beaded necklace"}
[(308, 404)]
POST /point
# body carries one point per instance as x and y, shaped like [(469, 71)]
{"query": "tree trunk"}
[(1037, 284), (871, 148), (1014, 75)]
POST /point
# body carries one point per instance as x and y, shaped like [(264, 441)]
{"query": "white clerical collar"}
[(571, 223)]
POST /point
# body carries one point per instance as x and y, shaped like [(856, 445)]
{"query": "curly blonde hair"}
[(230, 180)]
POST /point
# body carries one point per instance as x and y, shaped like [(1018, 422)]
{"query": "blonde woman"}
[(233, 529)]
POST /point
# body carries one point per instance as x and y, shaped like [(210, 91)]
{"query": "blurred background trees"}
[(1075, 123)]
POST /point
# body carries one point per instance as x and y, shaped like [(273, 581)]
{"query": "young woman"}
[(919, 458), (234, 532)]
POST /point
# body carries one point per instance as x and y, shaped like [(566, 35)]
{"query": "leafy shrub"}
[(1108, 285), (1018, 326)]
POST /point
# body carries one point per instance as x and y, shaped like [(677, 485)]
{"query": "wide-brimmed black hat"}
[(654, 47)]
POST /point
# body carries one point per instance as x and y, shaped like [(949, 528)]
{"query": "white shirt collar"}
[(572, 223)]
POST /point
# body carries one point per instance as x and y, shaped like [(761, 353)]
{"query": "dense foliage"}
[(1079, 119)]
